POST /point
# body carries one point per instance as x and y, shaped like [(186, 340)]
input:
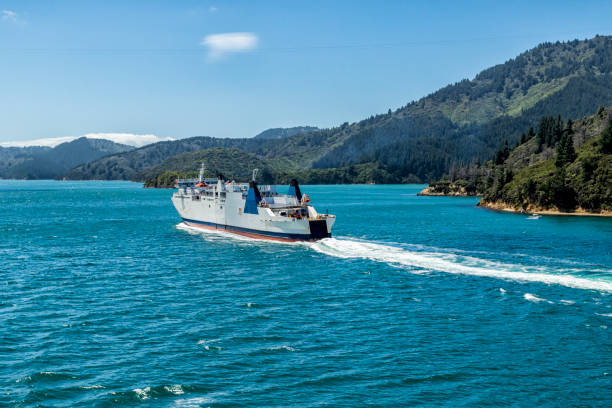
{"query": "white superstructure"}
[(249, 210)]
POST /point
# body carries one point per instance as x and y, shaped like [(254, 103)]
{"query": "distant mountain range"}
[(421, 141), (48, 163)]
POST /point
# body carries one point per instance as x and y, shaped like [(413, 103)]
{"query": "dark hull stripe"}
[(252, 233)]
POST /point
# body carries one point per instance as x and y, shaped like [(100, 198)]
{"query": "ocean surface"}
[(106, 299)]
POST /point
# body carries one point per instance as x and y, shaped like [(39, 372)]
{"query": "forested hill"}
[(47, 163), (564, 166), (279, 133), (473, 118), (560, 165), (422, 140)]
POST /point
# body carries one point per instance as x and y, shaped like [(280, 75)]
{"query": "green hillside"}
[(424, 139), (566, 168), (232, 163)]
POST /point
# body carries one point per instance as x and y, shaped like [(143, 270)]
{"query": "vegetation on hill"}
[(279, 133), (449, 129), (232, 163), (238, 165), (48, 163), (570, 169), (561, 166)]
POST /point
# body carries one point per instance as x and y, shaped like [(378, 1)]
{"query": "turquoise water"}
[(417, 301)]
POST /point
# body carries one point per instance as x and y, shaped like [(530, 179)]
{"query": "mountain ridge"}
[(49, 162), (458, 124)]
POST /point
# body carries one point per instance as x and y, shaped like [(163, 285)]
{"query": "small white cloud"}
[(129, 139), (8, 15), (226, 43), (49, 142), (212, 9)]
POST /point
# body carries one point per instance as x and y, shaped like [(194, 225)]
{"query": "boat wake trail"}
[(423, 262)]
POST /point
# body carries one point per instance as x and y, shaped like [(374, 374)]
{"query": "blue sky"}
[(178, 68)]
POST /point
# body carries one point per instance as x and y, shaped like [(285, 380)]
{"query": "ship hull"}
[(227, 211), (252, 233)]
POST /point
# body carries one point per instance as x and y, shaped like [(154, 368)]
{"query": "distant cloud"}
[(212, 9), (129, 139), (221, 44), (8, 15), (50, 142)]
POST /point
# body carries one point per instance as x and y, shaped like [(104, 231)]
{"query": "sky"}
[(176, 69)]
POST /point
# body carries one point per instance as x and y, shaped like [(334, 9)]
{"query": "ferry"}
[(249, 210)]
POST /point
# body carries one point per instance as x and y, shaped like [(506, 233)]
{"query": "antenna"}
[(255, 171), (202, 169)]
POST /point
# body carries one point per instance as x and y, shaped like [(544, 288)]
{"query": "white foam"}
[(92, 387), (502, 291), (284, 347), (535, 299), (208, 347), (421, 262), (193, 402), (604, 314), (143, 393), (567, 302), (174, 389)]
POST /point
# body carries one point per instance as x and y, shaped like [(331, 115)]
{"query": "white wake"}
[(422, 262)]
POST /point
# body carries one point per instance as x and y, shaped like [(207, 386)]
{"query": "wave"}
[(422, 262), (535, 299)]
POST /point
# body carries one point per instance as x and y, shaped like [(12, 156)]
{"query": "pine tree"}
[(606, 138), (565, 150), (530, 133)]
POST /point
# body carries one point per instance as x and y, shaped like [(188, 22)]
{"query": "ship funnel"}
[(252, 199), (294, 189)]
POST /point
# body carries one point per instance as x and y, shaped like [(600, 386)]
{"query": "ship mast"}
[(202, 173)]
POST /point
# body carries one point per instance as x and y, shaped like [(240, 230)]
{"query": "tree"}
[(530, 133), (606, 138), (601, 111), (569, 127), (565, 150)]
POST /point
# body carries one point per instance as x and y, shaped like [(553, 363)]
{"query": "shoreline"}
[(503, 207), (430, 191)]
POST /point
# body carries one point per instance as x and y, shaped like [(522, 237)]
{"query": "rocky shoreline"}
[(449, 191), (531, 209)]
